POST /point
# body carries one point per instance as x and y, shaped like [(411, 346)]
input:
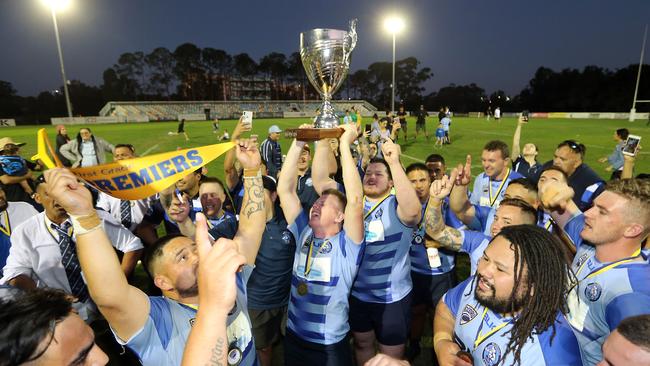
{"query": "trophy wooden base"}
[(313, 134)]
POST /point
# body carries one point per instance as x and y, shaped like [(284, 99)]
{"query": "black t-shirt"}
[(402, 117), (521, 166), (441, 115), (422, 115)]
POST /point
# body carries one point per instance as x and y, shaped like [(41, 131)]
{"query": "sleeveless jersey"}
[(385, 271)]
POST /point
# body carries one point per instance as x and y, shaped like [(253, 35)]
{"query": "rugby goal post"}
[(638, 78)]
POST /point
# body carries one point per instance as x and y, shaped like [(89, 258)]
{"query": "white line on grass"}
[(154, 147), (412, 158)]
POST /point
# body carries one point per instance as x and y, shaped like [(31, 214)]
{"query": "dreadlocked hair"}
[(542, 269)]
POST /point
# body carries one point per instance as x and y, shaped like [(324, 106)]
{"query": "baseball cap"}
[(274, 129), (7, 140)]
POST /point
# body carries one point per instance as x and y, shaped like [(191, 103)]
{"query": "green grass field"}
[(468, 137)]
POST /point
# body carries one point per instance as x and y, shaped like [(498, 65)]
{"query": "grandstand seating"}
[(164, 111)]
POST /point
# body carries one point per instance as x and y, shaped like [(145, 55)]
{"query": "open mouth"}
[(483, 284)]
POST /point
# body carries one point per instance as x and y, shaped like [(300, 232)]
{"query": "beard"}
[(185, 290), (498, 305)]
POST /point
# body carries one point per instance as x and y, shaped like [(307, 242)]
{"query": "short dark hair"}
[(623, 133), (155, 251), (636, 329), (557, 169), (417, 166), (128, 146), (336, 193), (530, 186), (498, 145), (28, 320), (376, 160), (577, 147), (525, 208), (435, 158)]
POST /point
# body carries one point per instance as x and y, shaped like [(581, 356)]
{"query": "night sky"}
[(496, 44)]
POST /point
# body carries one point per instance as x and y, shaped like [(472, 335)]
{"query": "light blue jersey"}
[(419, 259), (488, 192), (485, 334), (385, 273), (162, 339), (474, 244), (607, 293), (318, 306)]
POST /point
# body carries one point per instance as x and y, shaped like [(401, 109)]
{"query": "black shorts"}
[(267, 325), (404, 127), (298, 352), (428, 290), (389, 321), (420, 126)]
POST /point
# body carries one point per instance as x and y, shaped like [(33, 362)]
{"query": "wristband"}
[(85, 223), (252, 173)]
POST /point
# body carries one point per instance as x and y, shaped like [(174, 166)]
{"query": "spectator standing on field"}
[(271, 152), (62, 138), (86, 149), (420, 124), (615, 159), (497, 114)]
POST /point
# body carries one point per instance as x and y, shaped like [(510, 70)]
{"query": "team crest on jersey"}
[(286, 237), (326, 248), (308, 182), (192, 321), (582, 259), (379, 213), (593, 291), (491, 354), (468, 314)]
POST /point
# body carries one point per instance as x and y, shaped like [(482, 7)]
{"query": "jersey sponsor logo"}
[(468, 314), (379, 213), (326, 248), (286, 237), (582, 259), (491, 354), (593, 291), (308, 182)]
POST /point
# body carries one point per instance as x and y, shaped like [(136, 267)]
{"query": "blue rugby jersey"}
[(418, 252), (320, 314), (606, 294), (488, 192), (162, 339), (474, 324), (385, 272)]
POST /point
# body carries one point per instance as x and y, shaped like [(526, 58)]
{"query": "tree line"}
[(193, 73)]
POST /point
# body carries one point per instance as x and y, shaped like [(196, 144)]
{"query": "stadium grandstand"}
[(168, 111)]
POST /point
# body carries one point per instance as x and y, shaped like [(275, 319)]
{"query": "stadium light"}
[(393, 25), (59, 5)]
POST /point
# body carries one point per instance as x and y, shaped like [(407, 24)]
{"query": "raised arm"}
[(125, 307), (320, 171), (445, 236), (353, 223), (252, 217), (207, 343), (516, 148), (557, 199), (409, 209), (287, 180), (458, 199), (230, 172)]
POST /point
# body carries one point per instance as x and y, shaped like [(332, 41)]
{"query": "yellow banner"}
[(140, 178)]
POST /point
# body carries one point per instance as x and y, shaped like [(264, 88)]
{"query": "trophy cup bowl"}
[(325, 55)]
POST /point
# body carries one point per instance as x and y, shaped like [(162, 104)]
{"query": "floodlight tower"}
[(57, 5), (638, 77), (393, 25)]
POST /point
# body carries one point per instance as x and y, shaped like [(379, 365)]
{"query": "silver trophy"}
[(325, 55)]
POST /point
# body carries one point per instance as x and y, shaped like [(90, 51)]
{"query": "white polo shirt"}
[(111, 205)]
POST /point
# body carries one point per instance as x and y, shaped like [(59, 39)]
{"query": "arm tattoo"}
[(448, 237), (217, 353), (254, 196)]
